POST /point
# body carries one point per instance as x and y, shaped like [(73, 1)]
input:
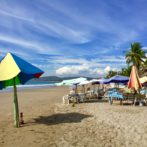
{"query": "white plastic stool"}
[(65, 99)]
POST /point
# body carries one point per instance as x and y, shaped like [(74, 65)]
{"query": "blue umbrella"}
[(99, 81), (118, 79)]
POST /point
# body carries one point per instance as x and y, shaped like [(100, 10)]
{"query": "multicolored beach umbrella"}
[(14, 71), (134, 81)]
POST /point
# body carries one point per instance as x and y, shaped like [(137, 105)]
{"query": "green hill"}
[(55, 78)]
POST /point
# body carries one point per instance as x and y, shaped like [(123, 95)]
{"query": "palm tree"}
[(143, 69), (111, 73), (136, 55), (126, 71)]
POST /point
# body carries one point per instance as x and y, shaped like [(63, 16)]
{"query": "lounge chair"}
[(81, 97), (115, 95), (66, 99), (70, 98)]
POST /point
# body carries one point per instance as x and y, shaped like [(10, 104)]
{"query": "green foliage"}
[(111, 73), (143, 68), (136, 55), (126, 71)]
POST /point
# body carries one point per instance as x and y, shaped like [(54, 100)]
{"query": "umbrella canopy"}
[(84, 82), (118, 79), (94, 81), (99, 81), (15, 70), (143, 79), (73, 81), (12, 66), (134, 81)]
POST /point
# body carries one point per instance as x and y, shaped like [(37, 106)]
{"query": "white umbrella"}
[(143, 79), (73, 81), (84, 82)]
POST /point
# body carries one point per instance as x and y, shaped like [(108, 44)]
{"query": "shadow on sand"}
[(61, 118), (96, 101)]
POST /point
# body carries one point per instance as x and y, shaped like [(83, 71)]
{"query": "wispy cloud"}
[(102, 21), (74, 36), (33, 46), (44, 23)]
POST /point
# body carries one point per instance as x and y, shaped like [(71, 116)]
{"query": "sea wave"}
[(28, 86)]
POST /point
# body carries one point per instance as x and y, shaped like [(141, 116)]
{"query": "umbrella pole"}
[(84, 92), (98, 90), (16, 109), (83, 89)]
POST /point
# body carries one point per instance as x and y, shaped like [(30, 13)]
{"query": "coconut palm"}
[(143, 69), (136, 55), (126, 71), (111, 73)]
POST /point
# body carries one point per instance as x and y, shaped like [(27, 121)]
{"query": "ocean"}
[(32, 84)]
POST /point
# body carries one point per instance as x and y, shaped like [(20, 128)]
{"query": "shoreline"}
[(28, 87)]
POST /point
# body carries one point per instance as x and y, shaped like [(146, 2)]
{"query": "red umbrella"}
[(134, 81)]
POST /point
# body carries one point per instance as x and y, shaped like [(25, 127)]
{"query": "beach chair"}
[(115, 95), (140, 99), (81, 97), (90, 95), (70, 98), (129, 98), (66, 99)]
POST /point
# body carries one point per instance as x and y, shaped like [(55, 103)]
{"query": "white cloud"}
[(107, 69), (72, 70), (87, 70), (96, 71), (67, 71), (83, 66)]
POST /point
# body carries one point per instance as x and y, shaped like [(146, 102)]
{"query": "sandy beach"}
[(49, 123)]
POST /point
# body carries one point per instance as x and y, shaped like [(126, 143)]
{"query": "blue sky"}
[(72, 37)]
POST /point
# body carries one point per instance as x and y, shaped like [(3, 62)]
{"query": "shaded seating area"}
[(144, 91), (102, 89), (115, 95), (73, 98), (79, 96), (126, 98)]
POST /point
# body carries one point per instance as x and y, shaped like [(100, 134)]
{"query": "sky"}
[(72, 37)]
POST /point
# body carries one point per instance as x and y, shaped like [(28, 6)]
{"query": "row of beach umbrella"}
[(84, 81), (133, 82)]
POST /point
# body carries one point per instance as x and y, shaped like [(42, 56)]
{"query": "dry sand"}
[(49, 123)]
